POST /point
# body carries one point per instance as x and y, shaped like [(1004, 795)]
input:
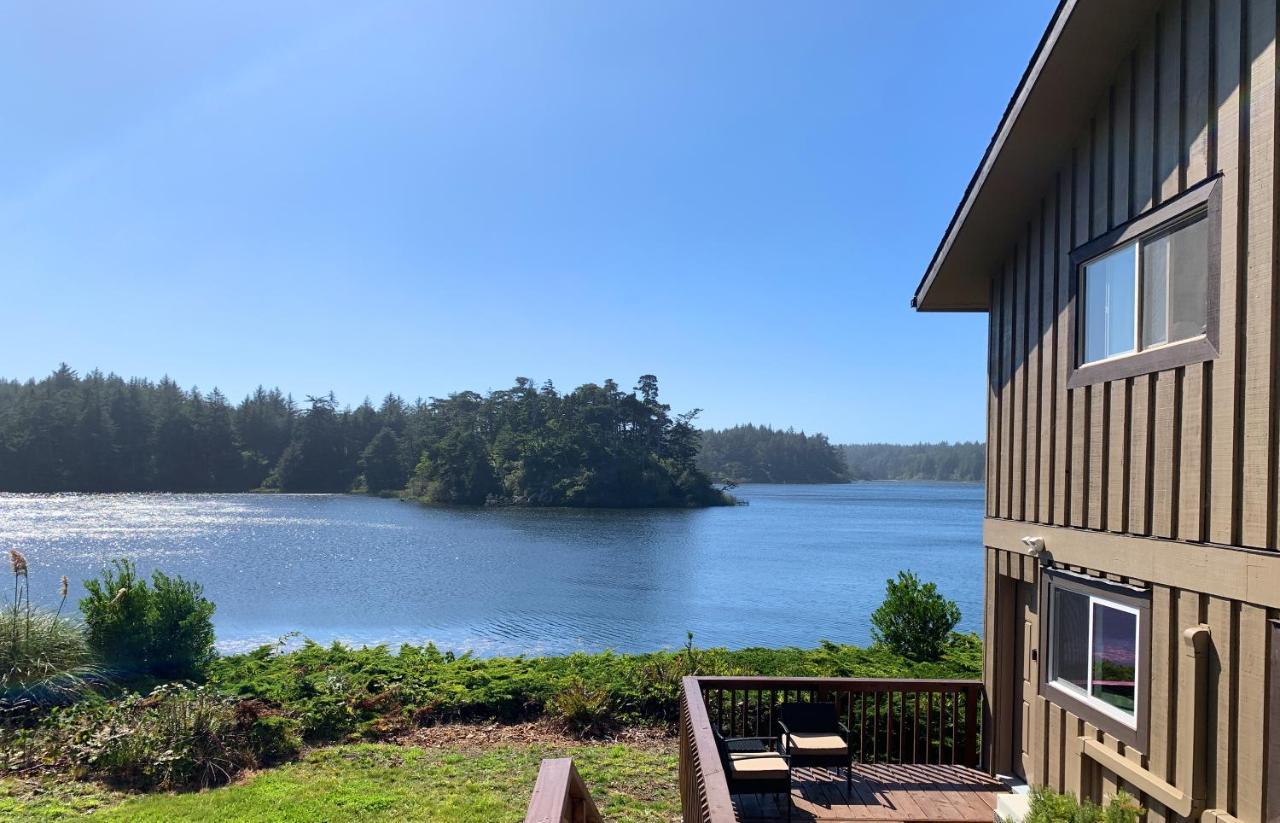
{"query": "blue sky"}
[(739, 197)]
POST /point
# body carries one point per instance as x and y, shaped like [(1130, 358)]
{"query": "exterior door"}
[(1026, 674)]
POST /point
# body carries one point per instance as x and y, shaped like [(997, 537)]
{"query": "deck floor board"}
[(881, 793)]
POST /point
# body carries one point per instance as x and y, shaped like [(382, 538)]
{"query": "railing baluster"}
[(915, 727)]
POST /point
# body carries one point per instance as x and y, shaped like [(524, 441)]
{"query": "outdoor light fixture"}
[(1035, 545)]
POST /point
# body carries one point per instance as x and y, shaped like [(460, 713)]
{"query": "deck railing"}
[(560, 796), (889, 721)]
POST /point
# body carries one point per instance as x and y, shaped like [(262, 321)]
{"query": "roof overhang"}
[(1072, 67)]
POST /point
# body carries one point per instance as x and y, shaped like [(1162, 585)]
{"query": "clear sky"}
[(421, 197)]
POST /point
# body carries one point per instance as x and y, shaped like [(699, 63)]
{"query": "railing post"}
[(971, 709)]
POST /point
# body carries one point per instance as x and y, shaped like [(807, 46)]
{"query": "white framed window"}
[(1095, 649), (1147, 293)]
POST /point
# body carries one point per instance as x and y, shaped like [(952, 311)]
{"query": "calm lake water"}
[(798, 565)]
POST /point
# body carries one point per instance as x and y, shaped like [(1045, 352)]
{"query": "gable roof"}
[(1071, 68)]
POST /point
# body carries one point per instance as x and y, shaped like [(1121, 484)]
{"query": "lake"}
[(798, 565)]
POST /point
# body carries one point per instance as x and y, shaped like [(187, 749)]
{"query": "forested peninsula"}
[(965, 462), (596, 446), (762, 454)]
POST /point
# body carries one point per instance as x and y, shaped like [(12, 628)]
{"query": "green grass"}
[(376, 782)]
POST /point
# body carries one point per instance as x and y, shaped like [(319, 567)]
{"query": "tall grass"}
[(44, 657)]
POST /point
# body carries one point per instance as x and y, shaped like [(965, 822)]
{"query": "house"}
[(1120, 232)]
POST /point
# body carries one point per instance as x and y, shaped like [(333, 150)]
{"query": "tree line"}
[(532, 445), (762, 454), (920, 461)]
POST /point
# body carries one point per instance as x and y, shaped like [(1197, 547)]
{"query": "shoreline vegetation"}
[(150, 712), (596, 446)]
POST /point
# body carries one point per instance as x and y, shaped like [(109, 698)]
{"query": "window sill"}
[(1170, 356), (1091, 713)]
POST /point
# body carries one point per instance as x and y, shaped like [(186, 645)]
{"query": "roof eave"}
[(1072, 65)]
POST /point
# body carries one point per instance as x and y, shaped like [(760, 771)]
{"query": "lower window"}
[(1096, 649)]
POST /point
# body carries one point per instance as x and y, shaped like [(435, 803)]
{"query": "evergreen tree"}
[(381, 462)]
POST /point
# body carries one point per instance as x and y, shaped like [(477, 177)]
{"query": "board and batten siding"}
[(1187, 455)]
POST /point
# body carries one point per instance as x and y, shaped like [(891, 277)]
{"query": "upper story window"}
[(1147, 293), (1144, 293), (1095, 650)]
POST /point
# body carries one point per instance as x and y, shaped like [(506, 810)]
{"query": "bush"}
[(914, 620), (176, 737), (1048, 806), (339, 693), (164, 630), (588, 711), (272, 737)]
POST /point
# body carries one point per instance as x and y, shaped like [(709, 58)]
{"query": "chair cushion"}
[(757, 766), (816, 743)]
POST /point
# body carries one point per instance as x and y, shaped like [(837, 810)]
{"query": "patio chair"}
[(753, 765), (812, 735)]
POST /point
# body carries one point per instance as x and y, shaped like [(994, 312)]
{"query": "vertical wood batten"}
[(1049, 358), (1006, 351), (1080, 397), (1223, 451), (1257, 500), (1018, 447), (1062, 428), (1035, 347)]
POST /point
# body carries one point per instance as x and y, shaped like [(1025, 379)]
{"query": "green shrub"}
[(1048, 806), (164, 630), (914, 620), (176, 737), (338, 693), (588, 711), (271, 736)]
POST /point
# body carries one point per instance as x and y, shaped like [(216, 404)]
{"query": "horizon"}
[(424, 201)]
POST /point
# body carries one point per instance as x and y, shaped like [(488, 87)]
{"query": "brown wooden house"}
[(1121, 234)]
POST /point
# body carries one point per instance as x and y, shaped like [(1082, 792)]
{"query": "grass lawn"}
[(380, 782)]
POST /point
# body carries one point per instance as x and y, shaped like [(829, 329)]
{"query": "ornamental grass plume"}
[(63, 589), (43, 658)]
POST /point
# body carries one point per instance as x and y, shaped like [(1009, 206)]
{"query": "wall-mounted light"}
[(1035, 545)]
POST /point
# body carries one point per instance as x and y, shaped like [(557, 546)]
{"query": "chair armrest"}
[(844, 730)]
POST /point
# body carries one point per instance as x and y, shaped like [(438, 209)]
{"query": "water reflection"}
[(797, 565)]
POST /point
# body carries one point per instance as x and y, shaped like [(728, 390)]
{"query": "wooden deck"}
[(881, 793)]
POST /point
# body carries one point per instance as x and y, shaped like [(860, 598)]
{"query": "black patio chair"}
[(812, 735), (753, 765)]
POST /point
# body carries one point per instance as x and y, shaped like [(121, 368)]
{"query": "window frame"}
[(1125, 598), (1204, 198)]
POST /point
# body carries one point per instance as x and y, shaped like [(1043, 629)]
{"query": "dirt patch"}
[(472, 736)]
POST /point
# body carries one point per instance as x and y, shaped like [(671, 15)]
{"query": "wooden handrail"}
[(560, 796), (845, 684), (704, 792)]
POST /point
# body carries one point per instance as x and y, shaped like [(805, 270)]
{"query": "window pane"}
[(1188, 280), (1071, 638), (1108, 304), (1175, 276), (1155, 292), (1115, 656)]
